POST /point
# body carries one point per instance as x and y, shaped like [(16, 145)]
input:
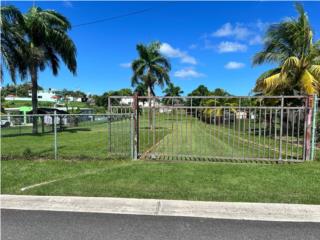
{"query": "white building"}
[(50, 95)]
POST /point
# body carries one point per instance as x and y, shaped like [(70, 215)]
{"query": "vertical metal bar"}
[(275, 133), (55, 136), (259, 151), (229, 129), (191, 116), (254, 133), (154, 122), (109, 105), (186, 137), (292, 133), (249, 133), (210, 140), (287, 132), (136, 137), (239, 125), (315, 106), (244, 134), (264, 133), (281, 128), (305, 127), (181, 139), (270, 133), (132, 136), (172, 132), (298, 134), (234, 132)]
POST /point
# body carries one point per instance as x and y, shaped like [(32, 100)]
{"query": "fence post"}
[(109, 131), (154, 122), (281, 128), (135, 106), (310, 102), (132, 135), (55, 135), (109, 104), (314, 125)]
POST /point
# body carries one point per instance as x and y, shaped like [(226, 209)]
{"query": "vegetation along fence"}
[(270, 128), (66, 136)]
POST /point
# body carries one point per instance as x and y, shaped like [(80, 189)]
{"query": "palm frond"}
[(308, 83)]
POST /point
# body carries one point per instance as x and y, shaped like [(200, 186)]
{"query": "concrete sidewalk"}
[(217, 210)]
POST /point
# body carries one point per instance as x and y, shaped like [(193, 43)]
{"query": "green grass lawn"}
[(286, 183)]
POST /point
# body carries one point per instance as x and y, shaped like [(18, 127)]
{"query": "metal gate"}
[(263, 128)]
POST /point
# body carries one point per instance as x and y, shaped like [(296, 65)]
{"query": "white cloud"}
[(224, 47), (256, 40), (167, 50), (125, 65), (238, 31), (234, 65), (188, 73), (193, 46), (262, 26), (67, 4)]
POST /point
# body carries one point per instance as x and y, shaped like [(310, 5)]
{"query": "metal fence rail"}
[(272, 128), (66, 136)]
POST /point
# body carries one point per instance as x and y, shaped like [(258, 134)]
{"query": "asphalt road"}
[(43, 225)]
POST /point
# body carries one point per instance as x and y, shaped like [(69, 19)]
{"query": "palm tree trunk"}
[(149, 103), (34, 92)]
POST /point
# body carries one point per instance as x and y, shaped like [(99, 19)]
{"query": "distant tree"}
[(151, 68), (20, 90), (172, 91), (201, 90)]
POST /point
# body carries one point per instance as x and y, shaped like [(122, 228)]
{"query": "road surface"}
[(45, 225)]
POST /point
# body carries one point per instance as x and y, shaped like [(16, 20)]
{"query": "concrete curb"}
[(218, 210)]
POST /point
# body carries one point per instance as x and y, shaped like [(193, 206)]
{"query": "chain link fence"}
[(66, 136)]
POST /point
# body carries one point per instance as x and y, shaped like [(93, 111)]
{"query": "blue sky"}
[(210, 43)]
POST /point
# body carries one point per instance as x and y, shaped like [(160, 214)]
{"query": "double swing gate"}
[(262, 128)]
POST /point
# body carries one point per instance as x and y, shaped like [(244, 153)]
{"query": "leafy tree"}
[(44, 43), (20, 90), (141, 89), (172, 91), (151, 68), (12, 42), (201, 90), (291, 46)]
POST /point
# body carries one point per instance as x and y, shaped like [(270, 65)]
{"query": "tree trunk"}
[(34, 81), (149, 112)]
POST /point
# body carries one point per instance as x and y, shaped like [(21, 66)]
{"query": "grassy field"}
[(174, 134), (286, 183)]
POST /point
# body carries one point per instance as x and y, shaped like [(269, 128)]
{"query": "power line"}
[(113, 18)]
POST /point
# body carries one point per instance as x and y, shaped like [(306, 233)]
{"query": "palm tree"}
[(11, 42), (151, 68), (171, 91), (291, 46), (46, 42)]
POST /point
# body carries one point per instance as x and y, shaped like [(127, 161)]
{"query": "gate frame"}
[(311, 107)]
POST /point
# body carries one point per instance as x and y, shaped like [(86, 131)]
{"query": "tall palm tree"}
[(151, 68), (46, 42), (11, 42), (171, 91), (291, 46)]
